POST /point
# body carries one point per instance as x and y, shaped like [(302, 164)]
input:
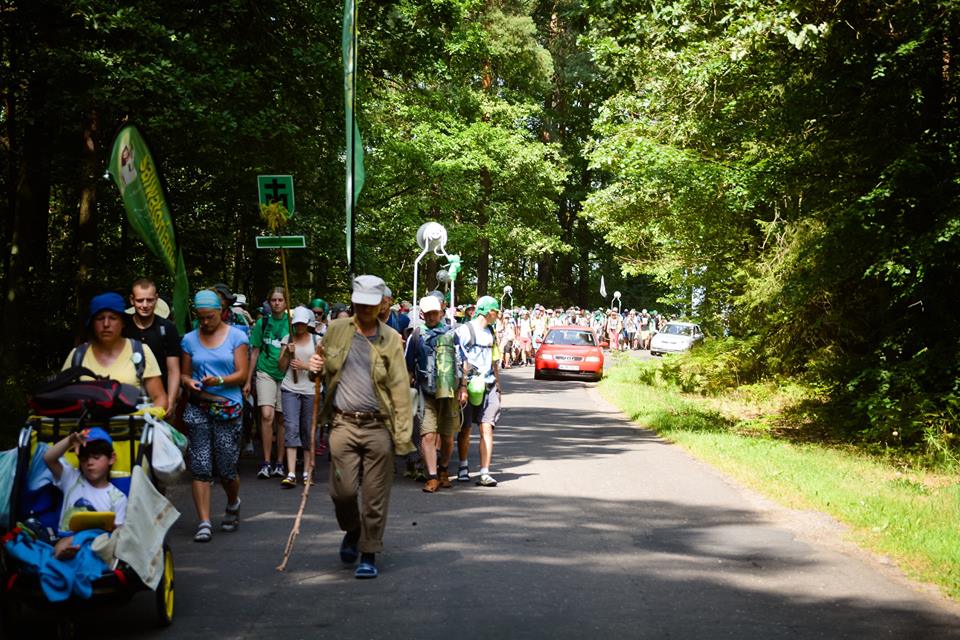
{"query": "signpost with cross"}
[(276, 207), (277, 189)]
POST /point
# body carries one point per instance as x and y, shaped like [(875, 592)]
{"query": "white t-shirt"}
[(79, 495), (303, 385)]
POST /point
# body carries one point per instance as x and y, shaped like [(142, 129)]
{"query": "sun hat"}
[(224, 291), (162, 309), (240, 300), (368, 290), (429, 303), (302, 315), (206, 299), (106, 302)]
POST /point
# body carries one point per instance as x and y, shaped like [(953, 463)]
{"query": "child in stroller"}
[(85, 489)]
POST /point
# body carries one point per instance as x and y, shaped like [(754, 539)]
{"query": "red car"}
[(569, 351)]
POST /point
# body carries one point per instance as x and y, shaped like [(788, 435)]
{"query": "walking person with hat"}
[(368, 402), (430, 359), (109, 354), (479, 391)]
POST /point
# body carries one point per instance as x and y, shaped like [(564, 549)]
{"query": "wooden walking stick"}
[(308, 460)]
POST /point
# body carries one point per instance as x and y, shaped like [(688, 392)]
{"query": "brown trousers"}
[(366, 444)]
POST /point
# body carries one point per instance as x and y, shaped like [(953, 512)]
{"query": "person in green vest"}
[(265, 377)]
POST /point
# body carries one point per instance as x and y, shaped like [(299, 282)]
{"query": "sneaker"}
[(289, 482), (307, 479), (248, 449), (321, 448), (486, 480), (445, 480), (263, 473), (431, 485), (279, 470), (463, 475)]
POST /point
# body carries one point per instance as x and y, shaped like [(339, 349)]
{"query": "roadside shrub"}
[(716, 366)]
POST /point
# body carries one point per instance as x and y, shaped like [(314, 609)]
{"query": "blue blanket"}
[(60, 578)]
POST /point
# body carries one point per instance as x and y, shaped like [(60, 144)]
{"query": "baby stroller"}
[(38, 508)]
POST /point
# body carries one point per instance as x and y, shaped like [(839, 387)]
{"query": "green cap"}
[(486, 304), (319, 302)]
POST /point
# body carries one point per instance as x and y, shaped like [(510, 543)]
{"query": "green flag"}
[(133, 169), (354, 145)]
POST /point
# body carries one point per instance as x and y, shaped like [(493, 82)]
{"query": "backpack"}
[(436, 351), (139, 360), (66, 396)]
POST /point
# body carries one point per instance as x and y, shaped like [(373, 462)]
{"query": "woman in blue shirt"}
[(213, 369)]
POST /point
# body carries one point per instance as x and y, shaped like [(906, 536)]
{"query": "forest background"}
[(784, 172)]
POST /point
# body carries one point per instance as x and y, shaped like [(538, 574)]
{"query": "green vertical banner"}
[(354, 144), (133, 169)]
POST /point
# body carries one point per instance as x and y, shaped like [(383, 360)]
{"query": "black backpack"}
[(66, 396), (139, 360)]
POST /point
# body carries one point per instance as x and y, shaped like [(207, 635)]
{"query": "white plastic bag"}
[(166, 457)]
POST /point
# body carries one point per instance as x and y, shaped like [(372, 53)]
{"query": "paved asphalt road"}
[(598, 529)]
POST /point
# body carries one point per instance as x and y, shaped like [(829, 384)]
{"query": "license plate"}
[(568, 367)]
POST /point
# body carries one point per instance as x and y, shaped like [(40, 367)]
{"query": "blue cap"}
[(106, 302), (96, 433)]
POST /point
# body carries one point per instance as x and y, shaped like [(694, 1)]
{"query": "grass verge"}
[(907, 513)]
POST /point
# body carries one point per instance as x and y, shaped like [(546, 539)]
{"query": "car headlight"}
[(546, 356), (592, 359)]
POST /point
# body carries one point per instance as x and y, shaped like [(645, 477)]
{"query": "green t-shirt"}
[(269, 344)]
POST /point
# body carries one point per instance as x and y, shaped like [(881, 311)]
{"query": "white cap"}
[(368, 290), (303, 315), (429, 303)]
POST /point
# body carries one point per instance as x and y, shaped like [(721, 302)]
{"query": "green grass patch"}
[(909, 513)]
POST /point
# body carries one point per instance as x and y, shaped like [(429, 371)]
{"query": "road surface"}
[(597, 529)]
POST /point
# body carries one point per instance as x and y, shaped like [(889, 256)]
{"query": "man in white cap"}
[(367, 403), (432, 362)]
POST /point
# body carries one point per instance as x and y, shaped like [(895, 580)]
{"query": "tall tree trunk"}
[(27, 255), (483, 259), (583, 281), (87, 213), (486, 184)]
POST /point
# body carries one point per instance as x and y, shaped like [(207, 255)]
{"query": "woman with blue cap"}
[(111, 355), (213, 368)]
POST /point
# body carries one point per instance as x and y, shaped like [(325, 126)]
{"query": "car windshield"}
[(581, 338), (678, 330)]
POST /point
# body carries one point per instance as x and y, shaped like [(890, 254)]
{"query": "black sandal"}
[(231, 519), (204, 532)]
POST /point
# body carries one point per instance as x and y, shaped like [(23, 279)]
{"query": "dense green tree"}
[(794, 164)]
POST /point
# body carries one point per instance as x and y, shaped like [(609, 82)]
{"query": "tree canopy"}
[(783, 171)]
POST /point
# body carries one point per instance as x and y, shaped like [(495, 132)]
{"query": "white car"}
[(676, 337)]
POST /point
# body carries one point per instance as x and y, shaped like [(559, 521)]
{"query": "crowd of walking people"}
[(395, 381), (380, 375), (521, 331)]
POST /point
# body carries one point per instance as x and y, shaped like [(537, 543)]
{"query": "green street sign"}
[(281, 242), (277, 189)]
